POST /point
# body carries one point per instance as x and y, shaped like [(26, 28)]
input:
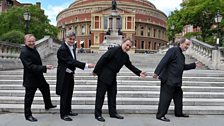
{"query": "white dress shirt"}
[(73, 55)]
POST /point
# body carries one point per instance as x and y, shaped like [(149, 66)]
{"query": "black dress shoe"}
[(66, 118), (72, 114), (117, 116), (100, 118), (163, 119), (49, 107), (31, 119), (182, 115)]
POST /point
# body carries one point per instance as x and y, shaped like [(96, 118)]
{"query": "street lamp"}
[(218, 19), (27, 16), (173, 36), (63, 32)]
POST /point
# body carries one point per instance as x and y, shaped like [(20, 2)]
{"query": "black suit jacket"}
[(171, 67), (65, 60), (33, 68), (110, 64)]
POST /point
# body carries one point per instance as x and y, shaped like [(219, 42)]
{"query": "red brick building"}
[(139, 20), (6, 4)]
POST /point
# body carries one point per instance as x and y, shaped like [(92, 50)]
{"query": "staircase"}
[(203, 89)]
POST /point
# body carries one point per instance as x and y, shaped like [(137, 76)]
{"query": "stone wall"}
[(9, 53)]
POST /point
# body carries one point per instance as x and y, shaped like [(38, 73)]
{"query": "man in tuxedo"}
[(67, 64), (106, 69), (33, 76), (170, 72)]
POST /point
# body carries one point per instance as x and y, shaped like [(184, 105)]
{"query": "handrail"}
[(207, 54), (9, 52)]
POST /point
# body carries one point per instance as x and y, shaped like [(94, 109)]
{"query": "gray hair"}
[(29, 36), (127, 39), (70, 33), (182, 40)]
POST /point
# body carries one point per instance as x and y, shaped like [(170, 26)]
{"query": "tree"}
[(199, 13), (13, 36), (39, 23), (175, 19)]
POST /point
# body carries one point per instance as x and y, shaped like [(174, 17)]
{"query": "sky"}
[(53, 7)]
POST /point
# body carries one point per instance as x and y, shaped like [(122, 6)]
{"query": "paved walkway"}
[(15, 119)]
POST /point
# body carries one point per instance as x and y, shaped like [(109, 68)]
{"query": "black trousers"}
[(100, 95), (167, 93), (66, 95), (29, 96)]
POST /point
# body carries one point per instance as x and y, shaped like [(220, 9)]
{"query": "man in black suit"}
[(106, 69), (67, 64), (170, 71), (33, 76)]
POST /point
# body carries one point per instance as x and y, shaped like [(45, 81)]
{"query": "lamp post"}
[(27, 17), (218, 19), (173, 37), (63, 32)]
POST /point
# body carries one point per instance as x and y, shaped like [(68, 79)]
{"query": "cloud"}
[(52, 11), (167, 6)]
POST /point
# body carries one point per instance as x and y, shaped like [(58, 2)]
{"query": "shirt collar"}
[(70, 47)]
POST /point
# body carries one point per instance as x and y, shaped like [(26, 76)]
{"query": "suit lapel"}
[(68, 50), (74, 52)]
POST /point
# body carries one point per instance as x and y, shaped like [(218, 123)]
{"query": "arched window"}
[(129, 22), (97, 22), (143, 45), (142, 31), (83, 30), (105, 22)]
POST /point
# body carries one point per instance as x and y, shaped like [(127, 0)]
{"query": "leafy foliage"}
[(39, 24), (13, 36), (199, 13)]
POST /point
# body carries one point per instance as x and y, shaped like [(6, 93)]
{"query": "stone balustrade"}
[(9, 52), (209, 55)]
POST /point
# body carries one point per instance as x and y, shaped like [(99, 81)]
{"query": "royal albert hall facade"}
[(138, 20)]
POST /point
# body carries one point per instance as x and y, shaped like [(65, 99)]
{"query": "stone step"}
[(123, 88), (134, 94), (122, 82), (123, 109), (123, 73), (77, 77), (120, 101)]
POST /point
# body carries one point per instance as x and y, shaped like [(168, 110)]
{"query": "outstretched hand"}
[(143, 74), (154, 76), (199, 64), (49, 66), (90, 65)]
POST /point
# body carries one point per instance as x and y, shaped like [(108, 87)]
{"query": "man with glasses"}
[(67, 64)]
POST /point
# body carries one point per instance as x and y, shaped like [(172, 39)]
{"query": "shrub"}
[(13, 36)]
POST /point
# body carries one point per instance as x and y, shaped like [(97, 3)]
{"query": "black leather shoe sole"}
[(66, 118), (100, 118), (117, 117), (163, 119), (31, 119)]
